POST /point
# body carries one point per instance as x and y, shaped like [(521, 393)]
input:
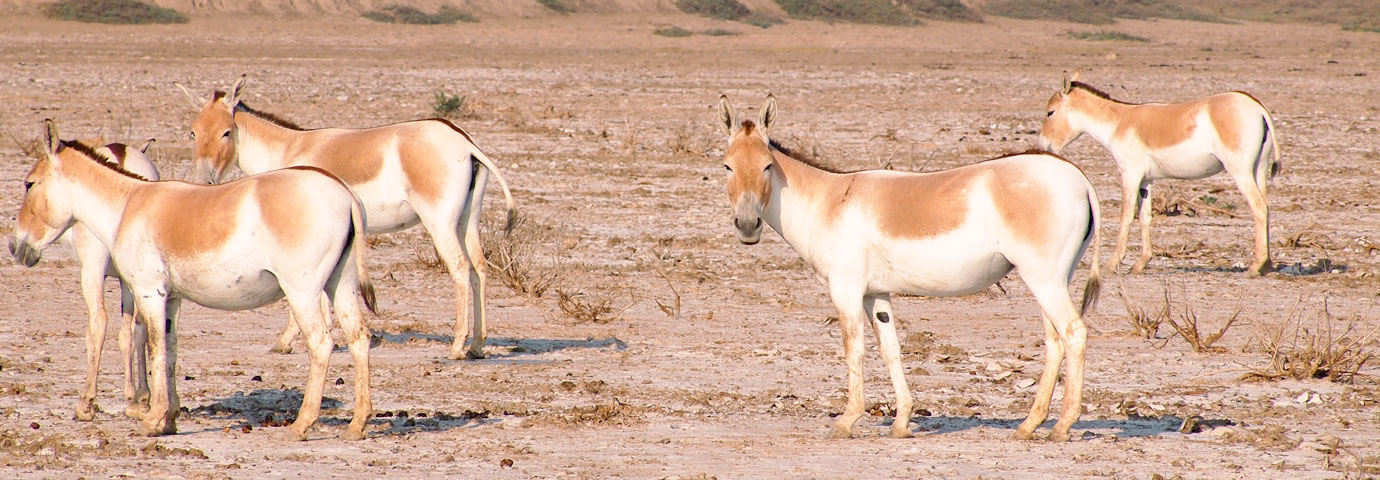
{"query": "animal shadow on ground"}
[(278, 408), (511, 348), (1296, 269), (1132, 427)]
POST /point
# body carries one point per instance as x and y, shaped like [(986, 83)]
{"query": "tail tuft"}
[(366, 289), (510, 222)]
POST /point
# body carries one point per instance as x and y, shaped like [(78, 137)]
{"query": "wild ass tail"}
[(358, 246), (1275, 165), (511, 210), (1093, 289)]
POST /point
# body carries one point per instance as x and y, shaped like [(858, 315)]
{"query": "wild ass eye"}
[(1049, 113), (726, 167), (27, 186), (766, 168), (225, 135), (192, 135)]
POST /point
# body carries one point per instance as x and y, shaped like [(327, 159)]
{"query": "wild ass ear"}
[(50, 136), (1068, 84), (234, 97), (197, 102), (726, 115), (144, 147), (768, 114)]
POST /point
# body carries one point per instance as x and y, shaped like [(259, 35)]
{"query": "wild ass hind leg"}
[(478, 273), (92, 280), (1146, 214), (1254, 193), (285, 338), (878, 309), (1044, 393), (1072, 335), (316, 332), (134, 349), (446, 239), (850, 306), (356, 333)]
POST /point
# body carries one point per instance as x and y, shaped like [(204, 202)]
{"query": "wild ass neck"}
[(795, 191), (1095, 116), (260, 145), (98, 196)]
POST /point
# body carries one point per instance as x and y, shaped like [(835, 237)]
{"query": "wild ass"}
[(873, 233), (419, 171), (94, 264), (294, 233), (1229, 131)]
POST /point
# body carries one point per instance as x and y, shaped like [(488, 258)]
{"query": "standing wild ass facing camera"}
[(94, 264), (427, 171), (1192, 140), (296, 233), (873, 233)]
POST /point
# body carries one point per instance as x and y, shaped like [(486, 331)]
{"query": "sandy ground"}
[(607, 134)]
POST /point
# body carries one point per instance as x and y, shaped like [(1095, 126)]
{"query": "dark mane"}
[(805, 159), (98, 158), (268, 117), (1077, 85)]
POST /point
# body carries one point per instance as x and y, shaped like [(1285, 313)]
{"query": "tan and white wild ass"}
[(1192, 140), (873, 233), (94, 265), (423, 171), (296, 233)]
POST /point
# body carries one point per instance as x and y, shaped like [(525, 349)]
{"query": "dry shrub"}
[(1147, 326), (1185, 323), (1313, 346), (511, 256), (124, 12), (1187, 328), (672, 309), (588, 308)]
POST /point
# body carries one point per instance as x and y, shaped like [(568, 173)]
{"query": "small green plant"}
[(1106, 35), (719, 32), (1096, 12), (450, 106), (404, 14), (556, 6), (673, 32), (127, 12)]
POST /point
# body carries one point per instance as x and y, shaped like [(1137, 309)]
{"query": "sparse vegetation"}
[(404, 14), (727, 10), (511, 256), (127, 12), (1300, 348), (556, 6), (673, 32), (1105, 35), (1147, 326), (1184, 322), (881, 12), (588, 308), (1096, 12)]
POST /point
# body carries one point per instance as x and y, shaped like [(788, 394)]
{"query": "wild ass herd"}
[(294, 228)]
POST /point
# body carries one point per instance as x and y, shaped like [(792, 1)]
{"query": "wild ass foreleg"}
[(1146, 214), (884, 323), (1044, 393), (161, 322), (1130, 191), (92, 279), (851, 319), (315, 331)]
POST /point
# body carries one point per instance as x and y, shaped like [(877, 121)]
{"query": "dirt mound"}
[(481, 8)]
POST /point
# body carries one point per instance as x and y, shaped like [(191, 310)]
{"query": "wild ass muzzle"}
[(296, 233), (872, 233), (422, 171), (1192, 140)]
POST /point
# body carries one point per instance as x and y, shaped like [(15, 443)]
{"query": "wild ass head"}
[(749, 163), (1059, 131), (46, 211), (214, 132)]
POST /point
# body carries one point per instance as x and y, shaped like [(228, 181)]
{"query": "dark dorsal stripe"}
[(97, 158), (269, 117), (459, 130)]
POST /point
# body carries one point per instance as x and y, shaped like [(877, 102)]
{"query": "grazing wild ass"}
[(423, 171), (873, 233), (1229, 131), (94, 264), (294, 233)]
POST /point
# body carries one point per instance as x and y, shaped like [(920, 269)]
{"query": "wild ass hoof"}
[(281, 349), (158, 428), (297, 433), (86, 411), (467, 355), (900, 433), (1139, 266), (136, 410), (352, 433), (837, 433), (1260, 269), (1022, 434), (1058, 436)]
